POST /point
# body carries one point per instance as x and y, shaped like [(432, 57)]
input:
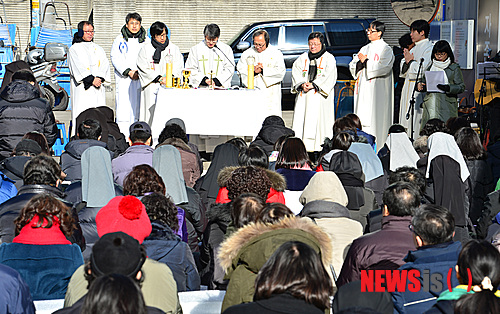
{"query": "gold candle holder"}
[(251, 69), (186, 73)]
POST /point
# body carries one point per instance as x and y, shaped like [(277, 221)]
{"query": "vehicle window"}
[(346, 34), (273, 35), (296, 36)]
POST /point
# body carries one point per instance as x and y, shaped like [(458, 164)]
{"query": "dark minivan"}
[(344, 37)]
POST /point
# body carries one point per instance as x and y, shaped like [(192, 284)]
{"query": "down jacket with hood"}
[(71, 159), (21, 111), (245, 252), (272, 129), (275, 194)]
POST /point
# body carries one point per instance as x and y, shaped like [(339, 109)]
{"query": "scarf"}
[(313, 70), (30, 234), (141, 34), (440, 66), (159, 48)]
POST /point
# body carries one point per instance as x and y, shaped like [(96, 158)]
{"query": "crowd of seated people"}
[(132, 227)]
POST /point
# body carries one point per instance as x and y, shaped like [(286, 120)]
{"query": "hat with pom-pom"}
[(126, 214)]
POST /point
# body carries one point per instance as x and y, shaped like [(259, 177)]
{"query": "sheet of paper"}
[(432, 79)]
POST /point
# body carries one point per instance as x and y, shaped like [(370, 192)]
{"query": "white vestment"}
[(203, 60), (422, 49), (314, 112), (84, 59), (148, 71), (128, 92), (374, 92), (272, 74)]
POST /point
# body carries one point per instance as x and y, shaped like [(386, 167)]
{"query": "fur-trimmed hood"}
[(253, 244), (177, 143), (278, 182)]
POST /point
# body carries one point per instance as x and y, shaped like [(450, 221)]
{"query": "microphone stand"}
[(411, 108), (234, 65)]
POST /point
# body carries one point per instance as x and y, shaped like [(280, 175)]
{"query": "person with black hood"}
[(124, 54), (152, 65), (89, 134), (89, 69), (272, 129), (13, 167), (23, 110)]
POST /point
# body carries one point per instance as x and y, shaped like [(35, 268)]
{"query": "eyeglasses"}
[(440, 54), (259, 45), (211, 40), (369, 31), (314, 45), (89, 32), (162, 36), (412, 229)]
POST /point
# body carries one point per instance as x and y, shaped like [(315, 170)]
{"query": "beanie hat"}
[(29, 146), (117, 253), (126, 214)]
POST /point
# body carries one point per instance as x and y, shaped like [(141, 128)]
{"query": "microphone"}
[(422, 60), (234, 65)]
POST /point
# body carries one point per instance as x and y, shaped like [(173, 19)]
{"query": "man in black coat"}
[(41, 175), (22, 110)]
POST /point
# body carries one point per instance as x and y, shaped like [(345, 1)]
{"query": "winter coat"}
[(491, 208), (480, 184), (245, 252), (7, 188), (133, 156), (443, 106), (278, 303), (13, 168), (278, 185), (219, 218), (11, 209), (335, 220), (190, 166), (196, 220), (350, 295), (45, 268), (165, 246), (71, 159), (447, 300), (272, 129), (77, 308), (21, 111), (437, 258), (15, 296), (383, 249), (493, 159)]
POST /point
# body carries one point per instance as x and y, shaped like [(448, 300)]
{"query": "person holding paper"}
[(152, 65), (440, 101), (269, 69), (314, 75), (374, 92)]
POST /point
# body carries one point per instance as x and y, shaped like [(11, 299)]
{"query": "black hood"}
[(20, 91), (15, 164)]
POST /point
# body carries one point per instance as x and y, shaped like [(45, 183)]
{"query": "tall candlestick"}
[(169, 75)]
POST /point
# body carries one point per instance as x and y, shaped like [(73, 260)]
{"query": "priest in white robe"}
[(374, 92), (314, 75), (152, 66), (124, 54), (269, 68), (419, 31), (89, 70), (211, 62)]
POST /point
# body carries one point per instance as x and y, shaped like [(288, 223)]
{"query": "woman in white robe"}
[(124, 54), (374, 92), (314, 75), (152, 66), (89, 69)]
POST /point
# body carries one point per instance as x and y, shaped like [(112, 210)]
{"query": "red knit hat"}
[(126, 214)]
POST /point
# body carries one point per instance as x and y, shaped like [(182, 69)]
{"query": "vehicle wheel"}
[(48, 94), (63, 101)]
